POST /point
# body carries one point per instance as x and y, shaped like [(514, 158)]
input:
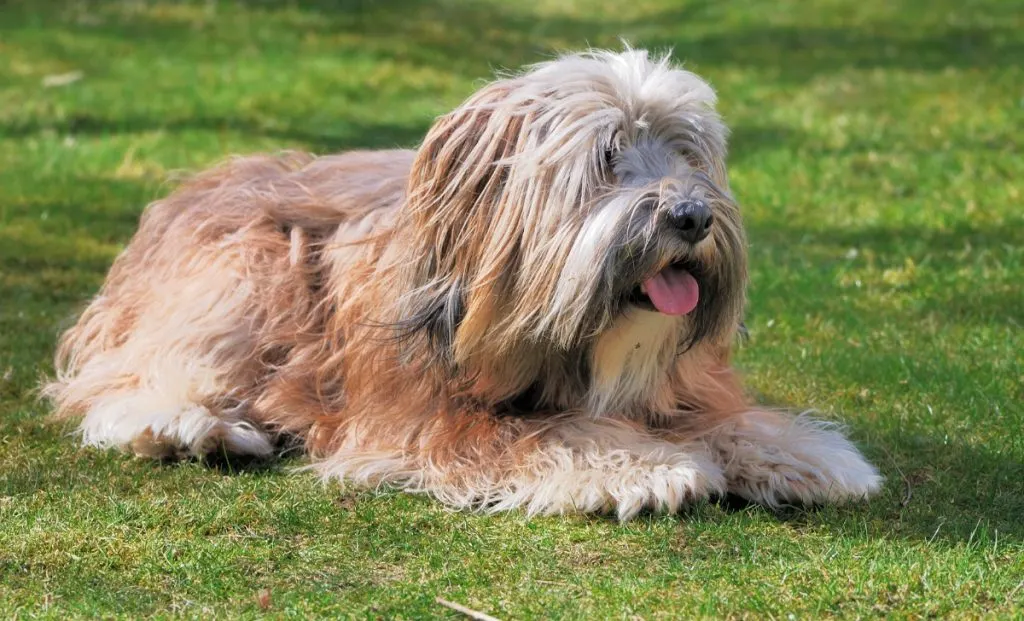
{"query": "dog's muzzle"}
[(675, 289)]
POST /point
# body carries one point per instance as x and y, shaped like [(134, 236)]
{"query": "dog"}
[(535, 309)]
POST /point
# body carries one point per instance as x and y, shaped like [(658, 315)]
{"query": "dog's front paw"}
[(662, 488), (774, 459), (616, 483)]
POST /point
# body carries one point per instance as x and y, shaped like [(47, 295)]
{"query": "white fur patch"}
[(632, 359)]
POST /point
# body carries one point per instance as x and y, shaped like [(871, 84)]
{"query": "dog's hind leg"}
[(191, 321), (151, 423), (165, 367)]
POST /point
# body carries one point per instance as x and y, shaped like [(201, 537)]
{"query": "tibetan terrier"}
[(534, 309)]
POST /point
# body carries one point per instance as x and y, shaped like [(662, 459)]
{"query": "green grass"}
[(877, 149)]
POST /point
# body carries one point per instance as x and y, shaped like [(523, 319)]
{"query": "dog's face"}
[(578, 213)]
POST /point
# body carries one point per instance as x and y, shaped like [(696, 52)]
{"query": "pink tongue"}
[(673, 291)]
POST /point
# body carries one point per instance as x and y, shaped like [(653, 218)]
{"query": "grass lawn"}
[(876, 148)]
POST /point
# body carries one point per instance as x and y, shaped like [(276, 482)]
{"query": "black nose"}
[(692, 219)]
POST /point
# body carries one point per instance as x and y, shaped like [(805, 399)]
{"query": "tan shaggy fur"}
[(463, 320)]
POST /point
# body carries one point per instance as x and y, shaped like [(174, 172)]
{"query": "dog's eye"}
[(609, 157)]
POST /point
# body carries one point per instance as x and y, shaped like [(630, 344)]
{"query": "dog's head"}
[(573, 225)]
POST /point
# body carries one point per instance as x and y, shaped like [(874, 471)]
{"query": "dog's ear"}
[(462, 235), (464, 155)]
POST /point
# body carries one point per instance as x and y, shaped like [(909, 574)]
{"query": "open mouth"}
[(672, 291)]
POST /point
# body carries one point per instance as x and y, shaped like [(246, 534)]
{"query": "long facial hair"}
[(537, 207)]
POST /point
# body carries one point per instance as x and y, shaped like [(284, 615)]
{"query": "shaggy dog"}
[(534, 309)]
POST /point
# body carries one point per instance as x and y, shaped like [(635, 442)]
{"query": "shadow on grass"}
[(471, 37), (798, 52), (288, 450), (342, 137), (937, 489)]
